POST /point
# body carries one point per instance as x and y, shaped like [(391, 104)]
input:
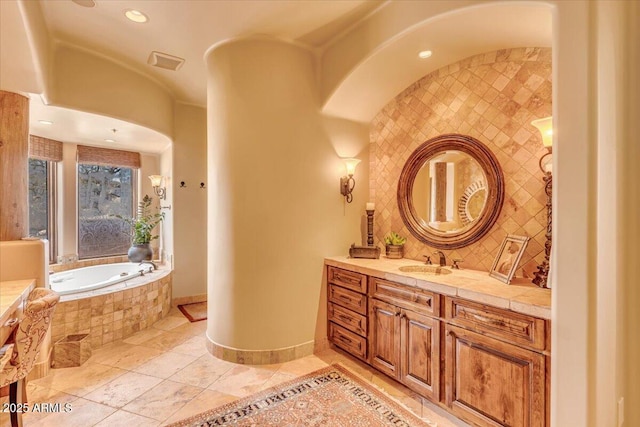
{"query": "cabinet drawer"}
[(352, 321), (412, 298), (8, 327), (347, 279), (349, 299), (502, 324), (352, 343)]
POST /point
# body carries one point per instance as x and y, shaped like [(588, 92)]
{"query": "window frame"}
[(52, 207)]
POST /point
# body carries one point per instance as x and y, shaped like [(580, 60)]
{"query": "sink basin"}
[(425, 269)]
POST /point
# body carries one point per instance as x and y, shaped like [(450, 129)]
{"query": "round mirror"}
[(450, 191)]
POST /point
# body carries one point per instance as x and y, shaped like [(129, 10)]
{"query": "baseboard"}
[(260, 357), (321, 345)]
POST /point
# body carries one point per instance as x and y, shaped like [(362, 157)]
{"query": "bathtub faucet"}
[(155, 267)]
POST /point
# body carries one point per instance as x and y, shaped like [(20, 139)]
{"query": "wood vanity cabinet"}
[(404, 342), (494, 371), (347, 311), (492, 383), (488, 366)]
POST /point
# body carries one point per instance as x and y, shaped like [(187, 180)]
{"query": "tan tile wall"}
[(492, 97), (260, 357), (113, 316)]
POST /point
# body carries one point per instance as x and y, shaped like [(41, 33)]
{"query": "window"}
[(103, 192), (42, 202)]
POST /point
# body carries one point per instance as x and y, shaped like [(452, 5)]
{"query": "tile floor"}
[(164, 374)]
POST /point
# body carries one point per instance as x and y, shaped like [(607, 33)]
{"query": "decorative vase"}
[(395, 251), (140, 252)]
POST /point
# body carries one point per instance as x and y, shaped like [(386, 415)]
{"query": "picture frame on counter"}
[(508, 258)]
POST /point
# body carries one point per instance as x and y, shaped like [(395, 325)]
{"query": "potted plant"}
[(141, 227), (394, 245)]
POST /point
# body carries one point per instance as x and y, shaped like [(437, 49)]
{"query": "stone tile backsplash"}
[(492, 97)]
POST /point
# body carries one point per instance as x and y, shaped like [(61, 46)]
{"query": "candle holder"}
[(370, 227), (369, 251)]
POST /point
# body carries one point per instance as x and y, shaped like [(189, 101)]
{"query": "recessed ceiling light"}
[(110, 140), (85, 3), (424, 54), (45, 122), (136, 16)]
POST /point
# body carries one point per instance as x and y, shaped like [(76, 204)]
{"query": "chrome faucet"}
[(443, 260), (155, 267)]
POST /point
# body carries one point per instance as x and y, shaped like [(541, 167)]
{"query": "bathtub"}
[(95, 277)]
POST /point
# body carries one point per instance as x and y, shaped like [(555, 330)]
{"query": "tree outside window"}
[(103, 192)]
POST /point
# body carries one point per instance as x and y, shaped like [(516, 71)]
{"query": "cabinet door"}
[(384, 338), (420, 354), (492, 383)]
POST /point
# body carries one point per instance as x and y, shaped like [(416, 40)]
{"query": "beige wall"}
[(617, 351), (25, 259), (628, 316), (189, 203), (573, 258), (274, 207), (492, 97), (87, 82)]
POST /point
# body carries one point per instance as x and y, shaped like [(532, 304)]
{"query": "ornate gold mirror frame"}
[(494, 186)]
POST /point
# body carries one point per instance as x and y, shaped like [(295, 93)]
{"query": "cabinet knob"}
[(9, 323)]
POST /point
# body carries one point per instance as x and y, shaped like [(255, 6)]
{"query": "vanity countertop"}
[(12, 293), (520, 296)]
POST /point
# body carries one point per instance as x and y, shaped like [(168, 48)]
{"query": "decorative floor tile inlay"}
[(331, 396)]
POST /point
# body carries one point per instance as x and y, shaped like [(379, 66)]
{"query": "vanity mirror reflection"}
[(450, 191)]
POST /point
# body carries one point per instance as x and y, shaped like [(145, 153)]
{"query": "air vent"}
[(163, 60)]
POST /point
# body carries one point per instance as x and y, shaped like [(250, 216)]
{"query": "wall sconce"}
[(545, 126), (156, 182), (347, 183)]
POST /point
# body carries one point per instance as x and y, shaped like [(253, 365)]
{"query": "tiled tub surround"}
[(114, 312), (492, 97), (521, 296)]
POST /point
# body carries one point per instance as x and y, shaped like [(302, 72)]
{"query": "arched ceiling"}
[(390, 68), (92, 129), (396, 30)]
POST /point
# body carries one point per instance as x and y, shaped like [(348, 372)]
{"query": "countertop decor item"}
[(372, 252), (394, 244), (370, 209), (545, 126), (141, 230), (506, 263)]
